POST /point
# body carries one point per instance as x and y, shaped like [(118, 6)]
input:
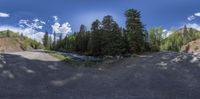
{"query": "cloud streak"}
[(197, 14), (194, 16), (34, 24), (4, 15)]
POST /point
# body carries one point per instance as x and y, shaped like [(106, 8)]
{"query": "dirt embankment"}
[(9, 45), (192, 47)]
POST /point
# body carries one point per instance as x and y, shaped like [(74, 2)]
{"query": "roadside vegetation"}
[(25, 42)]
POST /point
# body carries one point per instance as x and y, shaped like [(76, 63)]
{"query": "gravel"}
[(162, 75)]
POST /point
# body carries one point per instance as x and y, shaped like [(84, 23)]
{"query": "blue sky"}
[(165, 13)]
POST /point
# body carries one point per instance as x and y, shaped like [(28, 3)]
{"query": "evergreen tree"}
[(116, 40), (111, 39), (81, 39), (135, 30), (95, 40), (46, 40), (185, 34), (125, 42), (50, 43), (8, 33), (54, 41)]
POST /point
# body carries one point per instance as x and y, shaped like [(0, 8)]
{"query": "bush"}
[(24, 46)]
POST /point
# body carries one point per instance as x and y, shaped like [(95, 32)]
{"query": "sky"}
[(34, 17)]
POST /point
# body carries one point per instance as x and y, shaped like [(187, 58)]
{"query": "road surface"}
[(163, 75)]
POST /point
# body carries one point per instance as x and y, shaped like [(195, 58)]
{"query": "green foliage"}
[(107, 38), (177, 39), (135, 30), (8, 33), (46, 42), (95, 40), (111, 37), (25, 42), (156, 38), (36, 45), (82, 39), (24, 46)]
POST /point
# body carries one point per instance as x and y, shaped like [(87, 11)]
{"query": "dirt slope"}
[(9, 45), (192, 47)]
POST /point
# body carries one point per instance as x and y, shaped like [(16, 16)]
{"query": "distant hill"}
[(179, 38), (12, 42), (181, 30)]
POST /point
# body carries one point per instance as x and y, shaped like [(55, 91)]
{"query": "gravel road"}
[(163, 75)]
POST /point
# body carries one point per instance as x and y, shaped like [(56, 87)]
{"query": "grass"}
[(70, 61), (59, 56)]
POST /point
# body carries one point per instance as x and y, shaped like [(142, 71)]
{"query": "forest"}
[(107, 38)]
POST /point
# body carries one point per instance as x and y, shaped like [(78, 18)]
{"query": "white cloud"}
[(197, 14), (192, 17), (4, 14), (34, 24), (164, 30), (58, 28), (55, 18), (32, 28), (166, 33)]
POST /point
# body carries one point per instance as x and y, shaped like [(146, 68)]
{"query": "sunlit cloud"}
[(4, 14), (59, 28), (197, 14), (192, 17)]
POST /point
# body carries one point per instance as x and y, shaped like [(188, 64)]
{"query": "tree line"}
[(174, 42), (105, 37)]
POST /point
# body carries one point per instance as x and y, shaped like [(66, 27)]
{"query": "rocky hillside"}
[(192, 47), (12, 42), (9, 45)]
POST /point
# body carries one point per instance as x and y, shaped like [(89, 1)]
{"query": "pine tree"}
[(135, 30), (54, 41), (46, 41), (81, 39), (185, 34), (116, 40), (95, 40), (108, 35), (125, 42), (8, 33), (50, 42)]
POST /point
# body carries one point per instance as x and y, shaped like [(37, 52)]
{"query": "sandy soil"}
[(9, 45)]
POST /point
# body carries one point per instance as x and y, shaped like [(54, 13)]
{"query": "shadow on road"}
[(165, 77)]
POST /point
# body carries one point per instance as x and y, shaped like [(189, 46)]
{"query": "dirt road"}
[(164, 75)]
